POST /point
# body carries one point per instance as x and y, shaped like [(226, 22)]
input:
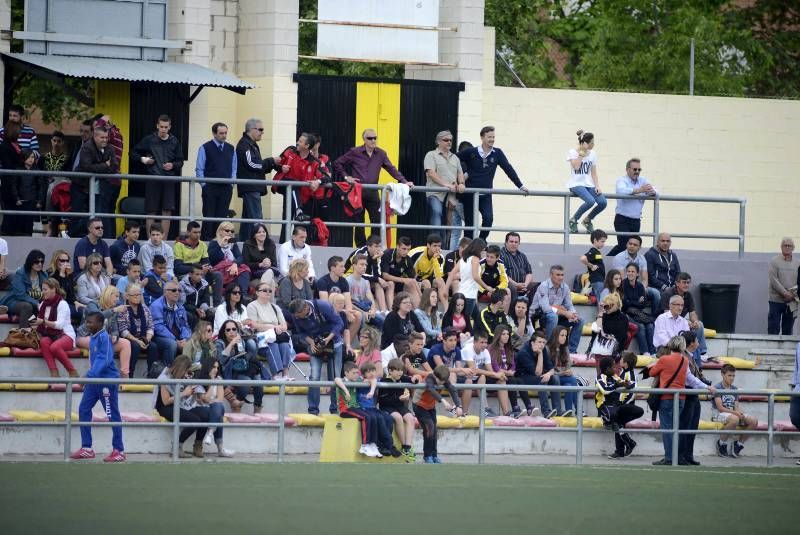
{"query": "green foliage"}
[(54, 103)]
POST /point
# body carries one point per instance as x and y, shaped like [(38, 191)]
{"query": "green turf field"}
[(40, 498)]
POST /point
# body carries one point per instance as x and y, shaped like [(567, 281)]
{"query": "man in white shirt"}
[(296, 247), (670, 323), (628, 216)]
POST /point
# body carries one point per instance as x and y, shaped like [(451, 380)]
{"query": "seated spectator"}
[(451, 260), (212, 395), (125, 248), (593, 260), (670, 323), (295, 248), (396, 267), (201, 345), (612, 284), (534, 367), (61, 270), (559, 353), (361, 293), (401, 319), (190, 250), (295, 285), (429, 316), (427, 261), (477, 358), (92, 282), (456, 318), (155, 279), (494, 315), (26, 288), (334, 282), (468, 272), (370, 349), (613, 322), (92, 243), (231, 309), (264, 315), (493, 274), (134, 276), (520, 319), (320, 328), (190, 412), (110, 308), (196, 296), (518, 267), (337, 302), (726, 409), (156, 246), (225, 256), (5, 280), (614, 412), (632, 254), (53, 323), (240, 362), (554, 302), (259, 254), (373, 251), (504, 366), (410, 350), (447, 353), (683, 282), (136, 325), (662, 264), (636, 305), (170, 323)]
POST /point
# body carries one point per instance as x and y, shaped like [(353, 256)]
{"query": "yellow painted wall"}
[(114, 99), (727, 147)]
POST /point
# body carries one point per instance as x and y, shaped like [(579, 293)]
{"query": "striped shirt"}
[(517, 265), (27, 138)]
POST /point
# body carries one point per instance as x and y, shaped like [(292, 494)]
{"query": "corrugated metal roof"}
[(133, 70)]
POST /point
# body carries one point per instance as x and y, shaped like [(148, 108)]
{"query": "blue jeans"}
[(780, 319), (167, 348), (216, 414), (589, 198), (251, 209), (644, 337), (436, 211), (555, 397), (597, 289), (570, 398), (333, 370), (242, 391), (108, 395), (665, 414), (279, 356), (655, 301), (551, 319)]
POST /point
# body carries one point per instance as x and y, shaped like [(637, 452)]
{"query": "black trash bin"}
[(719, 305)]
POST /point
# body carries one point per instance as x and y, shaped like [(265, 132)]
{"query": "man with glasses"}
[(136, 325), (363, 164), (170, 323), (443, 169), (629, 211), (670, 323), (250, 165), (92, 243), (783, 276), (683, 282)]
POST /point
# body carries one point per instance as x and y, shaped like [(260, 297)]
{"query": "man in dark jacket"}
[(662, 264), (162, 154), (97, 158), (534, 367), (249, 165)]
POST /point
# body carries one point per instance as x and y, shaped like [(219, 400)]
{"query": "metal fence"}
[(288, 186), (770, 433)]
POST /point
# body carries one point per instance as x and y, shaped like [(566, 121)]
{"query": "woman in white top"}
[(231, 309), (265, 316), (53, 323), (583, 181), (469, 271)]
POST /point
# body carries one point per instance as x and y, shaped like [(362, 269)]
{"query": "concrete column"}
[(190, 20), (5, 45)]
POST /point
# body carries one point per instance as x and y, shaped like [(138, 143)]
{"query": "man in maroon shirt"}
[(364, 164)]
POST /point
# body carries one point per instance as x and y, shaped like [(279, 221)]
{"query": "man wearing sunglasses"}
[(170, 323), (443, 169), (629, 211)]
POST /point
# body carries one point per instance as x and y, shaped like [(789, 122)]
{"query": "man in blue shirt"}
[(629, 211), (216, 159), (480, 165), (554, 300), (170, 322)]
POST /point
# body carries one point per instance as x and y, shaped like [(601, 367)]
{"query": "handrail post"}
[(475, 214), (382, 215), (281, 425), (656, 222), (770, 428), (676, 413), (176, 416), (566, 222), (68, 420), (579, 434), (191, 200), (287, 203), (92, 203), (742, 217), (482, 425)]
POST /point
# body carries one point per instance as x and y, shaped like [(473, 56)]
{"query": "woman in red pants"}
[(55, 328)]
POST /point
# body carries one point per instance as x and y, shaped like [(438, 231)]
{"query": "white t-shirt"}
[(3, 247), (581, 176), (482, 360), (467, 284)]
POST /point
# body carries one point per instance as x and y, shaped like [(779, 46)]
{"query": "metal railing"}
[(288, 186), (176, 425)]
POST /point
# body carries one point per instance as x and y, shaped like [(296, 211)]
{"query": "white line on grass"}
[(723, 472)]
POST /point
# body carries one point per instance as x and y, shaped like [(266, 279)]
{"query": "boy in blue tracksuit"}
[(101, 360)]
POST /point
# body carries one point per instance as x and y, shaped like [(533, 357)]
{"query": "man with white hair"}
[(783, 289), (443, 169), (249, 165), (670, 323)]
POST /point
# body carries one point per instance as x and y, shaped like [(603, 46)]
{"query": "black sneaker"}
[(737, 449), (662, 462), (516, 413), (385, 452), (567, 414), (629, 445), (722, 449), (395, 452), (551, 414), (489, 413), (616, 455)]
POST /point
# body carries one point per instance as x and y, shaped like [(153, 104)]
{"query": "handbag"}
[(23, 338), (639, 315), (240, 363), (604, 345), (280, 338), (654, 400)]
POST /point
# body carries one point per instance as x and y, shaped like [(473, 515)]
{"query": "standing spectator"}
[(226, 257), (634, 304), (92, 282), (249, 165), (583, 181), (27, 135), (57, 161), (373, 250), (92, 243), (170, 323), (662, 264), (54, 325), (794, 383), (518, 267), (443, 169), (321, 328), (670, 323), (296, 247), (86, 135), (60, 269), (593, 260), (480, 166), (116, 143), (554, 301), (27, 195), (26, 288), (628, 216), (396, 267), (157, 246), (363, 164), (216, 158), (191, 250), (136, 325), (690, 415), (162, 154), (5, 281), (98, 158), (294, 285), (401, 320), (633, 254), (265, 316), (10, 158), (424, 403), (260, 255), (125, 249), (682, 283), (79, 187), (303, 167), (783, 272)]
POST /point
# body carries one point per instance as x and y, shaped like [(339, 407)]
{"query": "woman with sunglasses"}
[(212, 395), (612, 321), (54, 326), (92, 282), (265, 315), (136, 325), (226, 257), (26, 288), (61, 270), (232, 352)]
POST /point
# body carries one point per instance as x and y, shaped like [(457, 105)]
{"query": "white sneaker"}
[(225, 452), (373, 450), (364, 450), (209, 438)]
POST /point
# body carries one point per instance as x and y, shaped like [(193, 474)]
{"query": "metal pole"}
[(579, 434), (482, 426), (191, 200), (676, 413), (287, 203), (68, 420), (281, 426), (176, 416), (770, 430), (566, 222), (475, 213), (691, 68), (742, 210), (92, 187), (382, 215), (656, 222)]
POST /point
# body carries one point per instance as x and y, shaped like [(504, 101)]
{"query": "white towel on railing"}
[(399, 198)]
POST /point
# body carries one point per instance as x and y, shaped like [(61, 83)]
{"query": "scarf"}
[(51, 307), (137, 322)]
